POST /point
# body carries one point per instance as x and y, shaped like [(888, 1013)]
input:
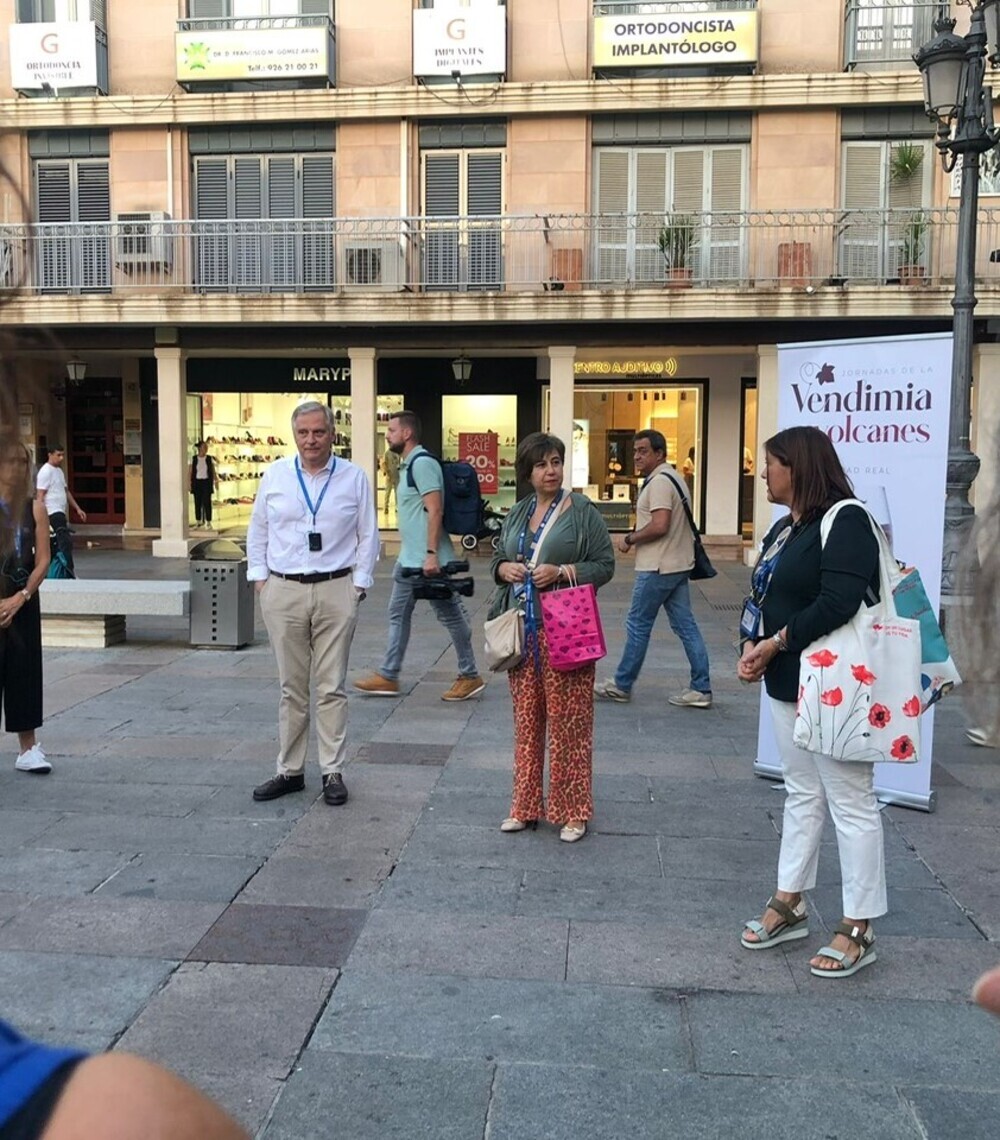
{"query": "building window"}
[(280, 235), (68, 192), (462, 207), (61, 11), (640, 191), (250, 9)]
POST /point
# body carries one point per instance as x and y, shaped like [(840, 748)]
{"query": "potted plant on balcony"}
[(912, 268), (678, 241)]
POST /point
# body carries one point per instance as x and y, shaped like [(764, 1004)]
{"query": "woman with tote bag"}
[(812, 589), (549, 537)]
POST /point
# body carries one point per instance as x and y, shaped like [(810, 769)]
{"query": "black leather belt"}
[(311, 579)]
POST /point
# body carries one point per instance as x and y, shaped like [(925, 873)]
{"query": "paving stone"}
[(246, 1096), (487, 1019), (281, 935), (603, 1104), (473, 946), (461, 890), (192, 878), (238, 803), (76, 999), (52, 872), (11, 902), (927, 913), (20, 827), (326, 882), (144, 833), (388, 1098), (675, 956), (230, 1021), (390, 752), (71, 794), (541, 849), (137, 928), (892, 1042), (944, 1114)]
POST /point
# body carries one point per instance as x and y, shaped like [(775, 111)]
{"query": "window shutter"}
[(317, 202), (248, 203), (208, 9), (211, 203), (649, 192), (484, 192), (688, 189), (54, 193), (907, 193), (441, 199), (93, 192), (611, 173), (315, 7), (441, 184), (278, 239), (723, 236), (280, 188), (861, 245)]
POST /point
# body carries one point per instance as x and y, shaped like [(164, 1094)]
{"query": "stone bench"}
[(90, 613)]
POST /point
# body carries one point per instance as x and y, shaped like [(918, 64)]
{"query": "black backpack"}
[(464, 505)]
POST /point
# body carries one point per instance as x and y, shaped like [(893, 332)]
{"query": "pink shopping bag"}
[(573, 628)]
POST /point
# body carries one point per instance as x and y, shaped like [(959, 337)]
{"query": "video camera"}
[(441, 586)]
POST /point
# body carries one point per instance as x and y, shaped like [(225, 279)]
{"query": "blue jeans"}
[(650, 592), (451, 614)]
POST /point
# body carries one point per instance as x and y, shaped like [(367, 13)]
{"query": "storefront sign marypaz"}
[(274, 53), (675, 39), (56, 55), (471, 41)]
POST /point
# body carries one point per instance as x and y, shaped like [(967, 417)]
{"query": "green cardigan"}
[(581, 539)]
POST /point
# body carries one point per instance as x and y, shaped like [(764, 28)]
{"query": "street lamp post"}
[(955, 95)]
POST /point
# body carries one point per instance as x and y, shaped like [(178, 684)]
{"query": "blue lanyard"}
[(763, 572), (314, 511), (530, 610)]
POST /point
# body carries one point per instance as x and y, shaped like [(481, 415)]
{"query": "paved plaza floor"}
[(399, 968)]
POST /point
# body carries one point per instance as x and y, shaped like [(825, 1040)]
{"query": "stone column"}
[(561, 361), (986, 424), (171, 389), (767, 425), (364, 392), (132, 413)]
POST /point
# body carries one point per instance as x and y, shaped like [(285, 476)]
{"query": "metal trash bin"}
[(221, 597)]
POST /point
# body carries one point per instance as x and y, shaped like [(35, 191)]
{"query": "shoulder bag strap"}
[(888, 570), (684, 503)]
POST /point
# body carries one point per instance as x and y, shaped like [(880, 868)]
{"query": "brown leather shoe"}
[(377, 686), (463, 688)]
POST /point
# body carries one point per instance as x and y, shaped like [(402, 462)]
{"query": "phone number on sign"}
[(254, 68)]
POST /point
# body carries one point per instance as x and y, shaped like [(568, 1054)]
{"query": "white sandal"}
[(863, 939)]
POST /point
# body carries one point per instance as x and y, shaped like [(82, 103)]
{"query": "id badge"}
[(315, 541), (750, 620)]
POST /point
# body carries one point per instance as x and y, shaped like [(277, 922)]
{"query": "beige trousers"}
[(311, 628)]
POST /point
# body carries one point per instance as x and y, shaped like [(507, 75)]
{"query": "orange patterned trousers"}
[(561, 705)]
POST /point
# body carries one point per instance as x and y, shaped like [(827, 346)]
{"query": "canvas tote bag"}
[(860, 685)]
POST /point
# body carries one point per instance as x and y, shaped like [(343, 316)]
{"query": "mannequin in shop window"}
[(687, 470), (204, 484), (390, 469)]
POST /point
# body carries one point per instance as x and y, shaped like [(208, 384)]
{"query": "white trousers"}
[(813, 783)]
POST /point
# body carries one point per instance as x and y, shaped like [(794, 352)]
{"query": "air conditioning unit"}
[(372, 265), (141, 240)]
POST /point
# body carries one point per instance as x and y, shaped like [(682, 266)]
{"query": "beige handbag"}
[(504, 641)]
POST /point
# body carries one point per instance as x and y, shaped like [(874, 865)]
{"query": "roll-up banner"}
[(884, 403)]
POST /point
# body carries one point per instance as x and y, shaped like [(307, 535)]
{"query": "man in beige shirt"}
[(664, 557)]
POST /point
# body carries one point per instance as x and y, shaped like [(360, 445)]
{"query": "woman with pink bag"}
[(550, 537), (803, 590)]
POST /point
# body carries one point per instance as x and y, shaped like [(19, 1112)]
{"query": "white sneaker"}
[(692, 699), (609, 691), (33, 761)]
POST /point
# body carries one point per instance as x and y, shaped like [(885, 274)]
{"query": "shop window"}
[(482, 430), (605, 421)]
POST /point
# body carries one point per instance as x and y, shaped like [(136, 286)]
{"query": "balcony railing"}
[(883, 34), (669, 7), (554, 253)]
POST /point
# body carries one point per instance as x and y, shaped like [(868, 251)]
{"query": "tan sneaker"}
[(691, 699), (378, 686), (463, 688)]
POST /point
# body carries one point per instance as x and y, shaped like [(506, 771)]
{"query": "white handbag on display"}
[(860, 685)]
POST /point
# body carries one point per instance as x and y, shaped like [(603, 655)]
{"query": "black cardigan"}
[(816, 589)]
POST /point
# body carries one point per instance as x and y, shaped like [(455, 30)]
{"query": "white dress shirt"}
[(278, 535)]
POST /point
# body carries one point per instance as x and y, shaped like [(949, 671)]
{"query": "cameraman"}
[(423, 546)]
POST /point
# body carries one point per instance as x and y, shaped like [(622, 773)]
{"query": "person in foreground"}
[(806, 590), (24, 561), (312, 546), (547, 535), (62, 1094)]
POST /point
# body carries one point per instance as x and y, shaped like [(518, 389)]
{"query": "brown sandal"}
[(865, 942), (794, 925)]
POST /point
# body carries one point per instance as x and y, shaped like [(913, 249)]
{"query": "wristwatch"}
[(26, 594)]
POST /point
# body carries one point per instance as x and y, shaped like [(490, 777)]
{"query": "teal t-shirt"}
[(427, 476)]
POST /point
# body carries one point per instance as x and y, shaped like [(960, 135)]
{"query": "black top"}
[(15, 568), (817, 589)]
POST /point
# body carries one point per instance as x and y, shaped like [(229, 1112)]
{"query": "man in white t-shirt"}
[(51, 489), (664, 558)]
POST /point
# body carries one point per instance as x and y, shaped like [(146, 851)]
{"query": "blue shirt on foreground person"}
[(24, 1067)]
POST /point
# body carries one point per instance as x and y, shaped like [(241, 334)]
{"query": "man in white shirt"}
[(51, 489), (312, 546)]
